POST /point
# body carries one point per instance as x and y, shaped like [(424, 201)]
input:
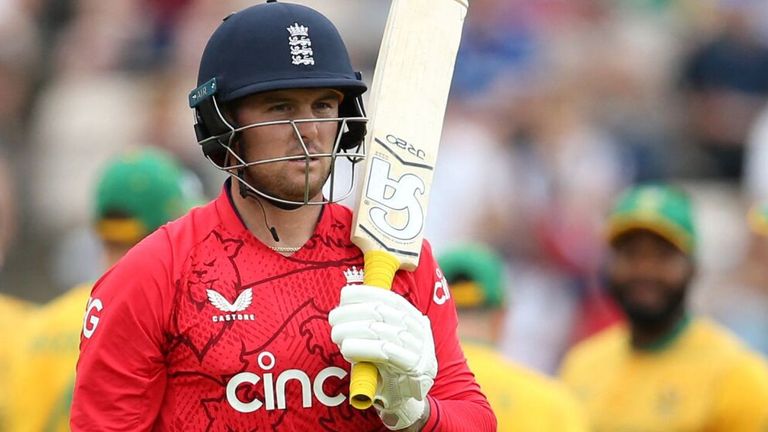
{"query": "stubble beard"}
[(647, 319), (288, 183)]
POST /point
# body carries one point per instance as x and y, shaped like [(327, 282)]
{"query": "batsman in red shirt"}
[(245, 314)]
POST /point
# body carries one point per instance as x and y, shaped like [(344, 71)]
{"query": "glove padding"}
[(378, 326)]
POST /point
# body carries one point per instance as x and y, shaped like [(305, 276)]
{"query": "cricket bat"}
[(407, 105)]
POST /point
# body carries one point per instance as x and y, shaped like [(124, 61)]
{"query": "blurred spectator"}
[(629, 93), (533, 173), (566, 168), (8, 207), (13, 311), (19, 61), (473, 181), (498, 41), (538, 327), (756, 158), (742, 303), (102, 37), (665, 369), (81, 122), (165, 16), (90, 109), (522, 399), (725, 84), (137, 192)]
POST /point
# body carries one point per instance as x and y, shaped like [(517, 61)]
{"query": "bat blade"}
[(407, 104)]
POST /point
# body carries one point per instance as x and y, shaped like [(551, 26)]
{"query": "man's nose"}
[(308, 130), (648, 264)]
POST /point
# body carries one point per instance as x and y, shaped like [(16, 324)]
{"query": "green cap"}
[(140, 191), (475, 276), (661, 209), (757, 218)]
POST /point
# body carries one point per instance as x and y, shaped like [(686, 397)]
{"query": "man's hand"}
[(378, 326)]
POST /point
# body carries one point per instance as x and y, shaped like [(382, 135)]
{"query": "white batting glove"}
[(378, 326)]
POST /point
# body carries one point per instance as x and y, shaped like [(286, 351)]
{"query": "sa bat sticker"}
[(403, 196)]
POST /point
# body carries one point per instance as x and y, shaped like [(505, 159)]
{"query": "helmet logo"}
[(301, 45)]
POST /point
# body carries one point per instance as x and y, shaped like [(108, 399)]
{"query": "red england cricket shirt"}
[(201, 327)]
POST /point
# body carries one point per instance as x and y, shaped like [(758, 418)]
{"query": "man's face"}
[(649, 277), (288, 179)]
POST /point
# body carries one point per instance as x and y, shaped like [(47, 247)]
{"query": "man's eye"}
[(280, 108)]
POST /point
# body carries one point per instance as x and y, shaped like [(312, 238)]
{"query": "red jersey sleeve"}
[(456, 402), (121, 375)]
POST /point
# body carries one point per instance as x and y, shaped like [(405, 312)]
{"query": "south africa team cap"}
[(138, 192), (661, 209), (475, 276)]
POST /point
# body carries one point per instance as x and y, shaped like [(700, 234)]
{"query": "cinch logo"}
[(241, 303), (274, 387), (441, 294), (91, 317)]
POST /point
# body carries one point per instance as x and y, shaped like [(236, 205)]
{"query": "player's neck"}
[(293, 227), (659, 336), (113, 253)]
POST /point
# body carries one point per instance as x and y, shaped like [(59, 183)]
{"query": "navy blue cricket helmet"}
[(272, 46)]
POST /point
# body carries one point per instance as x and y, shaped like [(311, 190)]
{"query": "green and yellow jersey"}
[(703, 379), (44, 365), (14, 314), (523, 400)]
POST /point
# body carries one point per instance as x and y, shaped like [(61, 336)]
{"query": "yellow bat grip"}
[(380, 269)]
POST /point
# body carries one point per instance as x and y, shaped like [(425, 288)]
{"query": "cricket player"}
[(14, 314), (14, 311), (745, 308), (137, 192), (219, 321), (666, 369), (523, 400)]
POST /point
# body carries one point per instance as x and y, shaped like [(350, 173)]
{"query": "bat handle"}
[(380, 268)]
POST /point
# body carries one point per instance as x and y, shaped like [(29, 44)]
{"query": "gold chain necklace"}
[(285, 249)]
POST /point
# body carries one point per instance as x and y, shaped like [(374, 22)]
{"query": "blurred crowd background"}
[(557, 106)]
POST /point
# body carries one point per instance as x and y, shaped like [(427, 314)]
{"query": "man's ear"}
[(229, 110)]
